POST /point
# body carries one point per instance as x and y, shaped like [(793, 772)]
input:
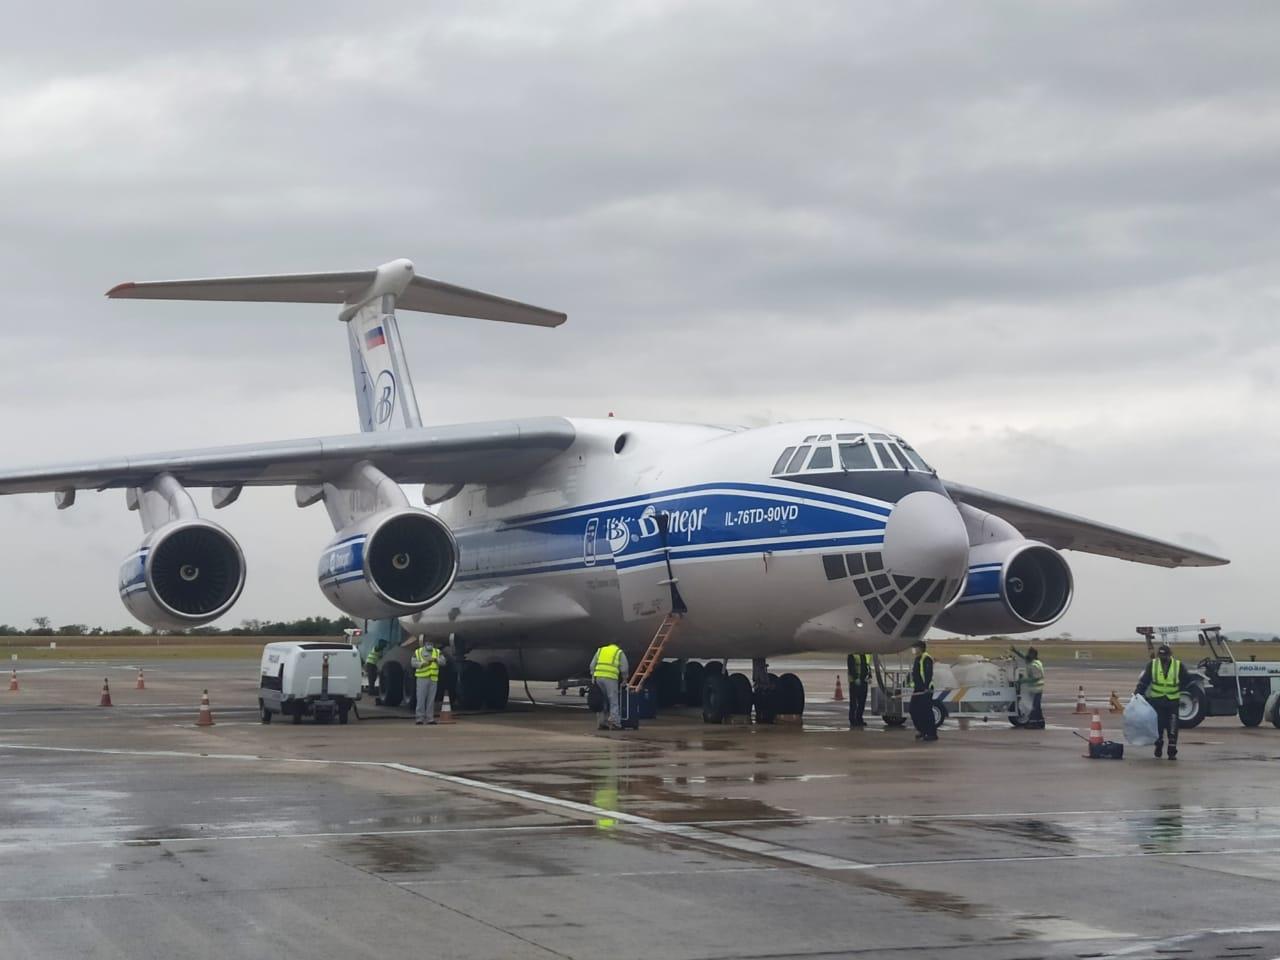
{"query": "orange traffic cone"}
[(1081, 706), (1095, 731), (13, 680), (839, 691), (106, 694), (1116, 705), (446, 711), (141, 684), (206, 716)]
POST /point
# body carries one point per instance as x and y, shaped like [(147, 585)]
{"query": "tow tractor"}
[(1224, 686)]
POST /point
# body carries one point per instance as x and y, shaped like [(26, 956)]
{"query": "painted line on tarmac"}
[(695, 834)]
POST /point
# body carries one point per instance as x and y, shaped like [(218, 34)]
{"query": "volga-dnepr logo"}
[(384, 397)]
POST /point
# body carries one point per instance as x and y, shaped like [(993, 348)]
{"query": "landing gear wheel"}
[(666, 681), (1017, 720), (1193, 707), (790, 695), (694, 675), (1275, 712), (297, 713), (894, 722), (263, 713), (343, 714), (766, 704), (497, 686), (740, 694), (939, 714), (717, 698), (391, 682), (1251, 713), (713, 667), (471, 695)]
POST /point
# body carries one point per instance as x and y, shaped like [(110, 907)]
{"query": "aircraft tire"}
[(740, 694), (714, 667), (263, 713), (1275, 713), (497, 686), (694, 675), (939, 714), (766, 704), (790, 694), (391, 681), (717, 698), (472, 694), (344, 715), (297, 713), (667, 681)]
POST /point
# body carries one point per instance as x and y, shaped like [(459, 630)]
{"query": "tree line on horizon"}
[(306, 627)]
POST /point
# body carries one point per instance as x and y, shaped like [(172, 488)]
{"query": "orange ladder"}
[(653, 656)]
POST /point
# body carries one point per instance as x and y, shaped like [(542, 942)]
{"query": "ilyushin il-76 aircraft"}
[(544, 537)]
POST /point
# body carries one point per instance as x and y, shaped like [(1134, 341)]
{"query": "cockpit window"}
[(797, 460), (782, 460), (887, 460), (905, 450), (857, 456), (858, 451)]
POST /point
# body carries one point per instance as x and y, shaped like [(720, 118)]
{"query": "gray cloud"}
[(1039, 239)]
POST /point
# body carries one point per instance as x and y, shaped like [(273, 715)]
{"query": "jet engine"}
[(184, 574), (1013, 586), (390, 564)]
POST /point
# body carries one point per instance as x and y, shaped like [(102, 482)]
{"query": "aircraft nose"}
[(926, 537)]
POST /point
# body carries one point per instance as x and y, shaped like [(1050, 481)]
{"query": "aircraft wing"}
[(1067, 532), (460, 453)]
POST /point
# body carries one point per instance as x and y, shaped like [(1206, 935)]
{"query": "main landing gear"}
[(725, 696)]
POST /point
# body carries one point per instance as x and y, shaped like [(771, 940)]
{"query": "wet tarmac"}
[(130, 832)]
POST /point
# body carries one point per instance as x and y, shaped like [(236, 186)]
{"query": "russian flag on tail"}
[(374, 338)]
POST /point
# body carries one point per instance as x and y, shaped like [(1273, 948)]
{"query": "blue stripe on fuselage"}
[(703, 520)]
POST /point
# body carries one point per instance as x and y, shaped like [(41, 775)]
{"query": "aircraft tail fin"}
[(369, 298)]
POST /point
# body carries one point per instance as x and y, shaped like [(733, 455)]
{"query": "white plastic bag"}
[(1140, 727)]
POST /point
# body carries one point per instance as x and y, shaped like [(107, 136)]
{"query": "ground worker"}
[(1162, 684), (922, 693), (427, 661), (608, 668), (859, 671), (371, 661), (1034, 684)]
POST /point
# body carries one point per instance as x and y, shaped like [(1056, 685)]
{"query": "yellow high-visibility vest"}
[(917, 670), (1164, 684), (373, 656), (861, 671), (608, 663), (426, 666), (1035, 683)]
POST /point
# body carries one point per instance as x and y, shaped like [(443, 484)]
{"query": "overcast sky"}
[(1039, 240)]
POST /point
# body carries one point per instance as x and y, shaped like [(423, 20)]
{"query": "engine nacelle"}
[(184, 574), (391, 564), (1013, 586)]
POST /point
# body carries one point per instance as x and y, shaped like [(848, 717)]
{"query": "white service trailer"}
[(301, 678)]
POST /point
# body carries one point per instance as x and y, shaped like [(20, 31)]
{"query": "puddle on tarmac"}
[(1042, 831)]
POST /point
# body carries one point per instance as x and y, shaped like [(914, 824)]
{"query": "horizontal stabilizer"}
[(351, 288)]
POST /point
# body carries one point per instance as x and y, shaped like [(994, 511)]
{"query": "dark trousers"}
[(922, 714), (1166, 721), (1037, 716), (857, 703), (371, 672)]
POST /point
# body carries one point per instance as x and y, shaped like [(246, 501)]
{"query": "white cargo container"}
[(308, 678)]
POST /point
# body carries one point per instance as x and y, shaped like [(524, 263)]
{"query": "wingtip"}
[(116, 291)]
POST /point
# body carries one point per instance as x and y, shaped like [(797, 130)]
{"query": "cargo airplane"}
[(543, 537)]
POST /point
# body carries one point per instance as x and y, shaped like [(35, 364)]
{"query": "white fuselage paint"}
[(572, 556)]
